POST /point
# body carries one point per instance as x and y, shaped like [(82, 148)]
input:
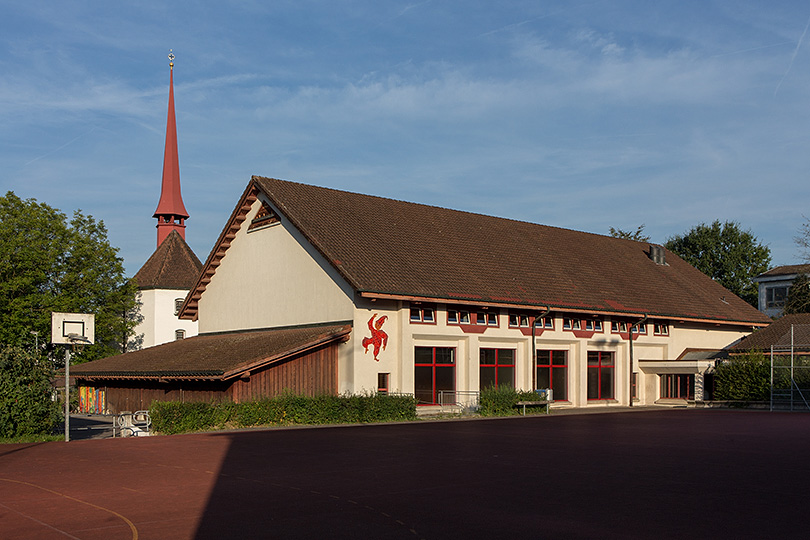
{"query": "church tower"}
[(171, 213), (165, 279)]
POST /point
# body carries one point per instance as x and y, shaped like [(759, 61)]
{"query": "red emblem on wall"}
[(378, 337)]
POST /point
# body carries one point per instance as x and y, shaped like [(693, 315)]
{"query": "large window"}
[(434, 371), (677, 386), (552, 372), (601, 371), (497, 368)]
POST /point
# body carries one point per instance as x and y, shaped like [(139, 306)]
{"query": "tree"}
[(725, 253), (798, 298), (26, 407), (638, 236), (49, 263), (803, 239)]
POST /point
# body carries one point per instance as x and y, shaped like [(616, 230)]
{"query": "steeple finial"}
[(171, 213)]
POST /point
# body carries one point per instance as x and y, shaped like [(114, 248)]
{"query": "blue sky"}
[(578, 114)]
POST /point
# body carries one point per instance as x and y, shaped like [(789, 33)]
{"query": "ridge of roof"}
[(786, 270), (220, 356), (401, 249), (173, 265)]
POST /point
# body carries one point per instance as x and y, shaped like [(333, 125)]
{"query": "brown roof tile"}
[(778, 334), (384, 246), (211, 355), (172, 266)]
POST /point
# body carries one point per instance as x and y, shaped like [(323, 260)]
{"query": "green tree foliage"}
[(638, 235), (49, 263), (26, 407), (798, 298), (725, 253), (744, 379)]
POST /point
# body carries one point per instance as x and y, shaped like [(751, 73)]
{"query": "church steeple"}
[(171, 213)]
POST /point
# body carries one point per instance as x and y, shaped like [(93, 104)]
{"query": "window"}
[(265, 216), (423, 314), (497, 368), (382, 382), (593, 325), (178, 305), (434, 372), (552, 372), (618, 327), (483, 318), (546, 322), (517, 320), (600, 375), (458, 317), (571, 324), (179, 334), (677, 386), (776, 296), (660, 329), (640, 329)]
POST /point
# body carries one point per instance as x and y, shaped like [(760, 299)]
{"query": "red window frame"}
[(434, 364), (498, 363), (548, 361), (677, 386), (601, 375)]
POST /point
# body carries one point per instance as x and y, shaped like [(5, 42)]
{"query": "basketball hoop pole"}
[(77, 343)]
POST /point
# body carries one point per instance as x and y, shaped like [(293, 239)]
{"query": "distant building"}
[(166, 277), (774, 286), (314, 290)]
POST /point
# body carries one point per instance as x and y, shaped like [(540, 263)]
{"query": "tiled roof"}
[(172, 266), (778, 334), (211, 356), (787, 270), (406, 250)]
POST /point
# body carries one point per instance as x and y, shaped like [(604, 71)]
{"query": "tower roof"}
[(171, 201), (172, 266)]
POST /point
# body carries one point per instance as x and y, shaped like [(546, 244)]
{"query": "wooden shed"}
[(236, 367)]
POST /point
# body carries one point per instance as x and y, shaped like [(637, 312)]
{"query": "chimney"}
[(657, 254)]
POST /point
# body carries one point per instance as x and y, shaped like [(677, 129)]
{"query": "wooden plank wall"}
[(314, 372)]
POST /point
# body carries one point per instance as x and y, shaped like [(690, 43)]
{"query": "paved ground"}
[(662, 474)]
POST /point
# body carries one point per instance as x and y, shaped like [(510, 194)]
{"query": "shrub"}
[(285, 409), (744, 379), (503, 400), (26, 404)]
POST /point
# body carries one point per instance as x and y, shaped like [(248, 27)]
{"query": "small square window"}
[(593, 325), (660, 329), (452, 317), (618, 327), (480, 318), (492, 319), (423, 314), (179, 334), (464, 317)]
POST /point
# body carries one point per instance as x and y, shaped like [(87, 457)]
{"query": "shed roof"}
[(787, 270), (389, 248), (173, 265), (778, 335), (212, 356)]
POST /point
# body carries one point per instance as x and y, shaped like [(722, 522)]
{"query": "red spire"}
[(171, 213)]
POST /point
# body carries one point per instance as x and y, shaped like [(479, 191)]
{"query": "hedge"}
[(503, 400), (744, 379), (170, 417)]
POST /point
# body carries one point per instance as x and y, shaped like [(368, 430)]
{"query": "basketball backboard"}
[(67, 325)]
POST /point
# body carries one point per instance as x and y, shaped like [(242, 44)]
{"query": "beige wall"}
[(272, 277), (159, 321), (403, 336)]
